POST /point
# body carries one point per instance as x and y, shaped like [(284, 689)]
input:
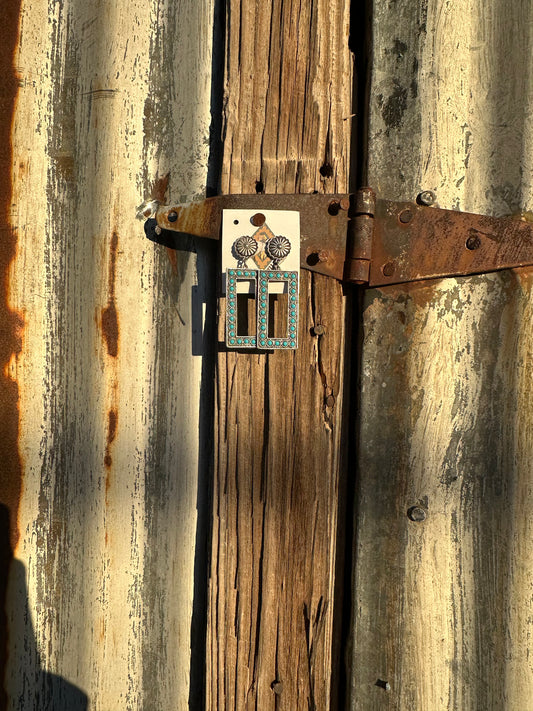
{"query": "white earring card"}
[(261, 257)]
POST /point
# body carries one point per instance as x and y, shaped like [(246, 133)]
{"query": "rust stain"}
[(159, 188), (422, 293), (112, 422), (159, 192), (110, 328), (11, 325), (524, 277)]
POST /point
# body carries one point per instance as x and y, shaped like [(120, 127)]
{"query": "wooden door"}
[(103, 386), (442, 604)]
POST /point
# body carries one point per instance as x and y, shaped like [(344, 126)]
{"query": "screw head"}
[(388, 269), (323, 255), (383, 684), (277, 686), (417, 514), (172, 216), (473, 242), (405, 216), (426, 197), (258, 219), (319, 330), (345, 203), (157, 230)]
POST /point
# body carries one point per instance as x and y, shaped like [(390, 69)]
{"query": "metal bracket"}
[(361, 240)]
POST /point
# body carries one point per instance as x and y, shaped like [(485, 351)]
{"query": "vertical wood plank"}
[(279, 415), (442, 606), (109, 379)]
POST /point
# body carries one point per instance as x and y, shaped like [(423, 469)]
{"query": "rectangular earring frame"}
[(274, 276), (233, 339)]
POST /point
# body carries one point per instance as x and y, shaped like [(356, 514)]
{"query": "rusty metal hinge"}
[(363, 240), (399, 242)]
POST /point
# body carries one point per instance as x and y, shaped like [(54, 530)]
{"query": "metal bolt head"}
[(405, 216), (258, 219), (172, 216), (323, 255), (319, 330), (388, 269), (383, 684), (277, 686), (473, 242), (427, 197), (345, 203), (157, 230), (417, 514)]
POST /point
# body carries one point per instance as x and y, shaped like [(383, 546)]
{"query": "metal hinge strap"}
[(374, 242)]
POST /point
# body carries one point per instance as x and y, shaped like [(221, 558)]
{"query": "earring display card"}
[(261, 257), (277, 223)]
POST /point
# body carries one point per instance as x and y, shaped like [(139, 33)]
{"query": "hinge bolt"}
[(426, 197), (345, 203), (473, 242), (383, 684), (172, 216), (417, 513), (277, 686), (405, 216), (388, 269)]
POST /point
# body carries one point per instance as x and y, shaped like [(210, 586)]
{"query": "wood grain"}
[(279, 415), (100, 597), (442, 607)]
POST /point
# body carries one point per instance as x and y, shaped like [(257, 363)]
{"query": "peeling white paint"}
[(108, 551)]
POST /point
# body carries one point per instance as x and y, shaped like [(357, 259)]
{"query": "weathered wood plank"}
[(279, 415), (442, 607), (114, 98)]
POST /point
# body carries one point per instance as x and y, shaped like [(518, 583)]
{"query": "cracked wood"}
[(443, 607), (279, 453)]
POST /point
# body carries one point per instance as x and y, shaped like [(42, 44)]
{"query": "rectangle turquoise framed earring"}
[(233, 338), (274, 276)]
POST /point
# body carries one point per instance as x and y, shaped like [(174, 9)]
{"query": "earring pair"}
[(277, 248)]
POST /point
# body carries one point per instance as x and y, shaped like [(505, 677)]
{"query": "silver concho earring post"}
[(277, 248), (244, 248)]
